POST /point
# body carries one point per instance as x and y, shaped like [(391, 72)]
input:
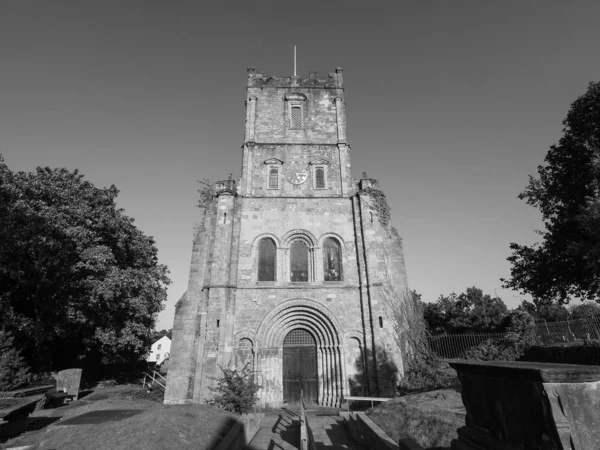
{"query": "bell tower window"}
[(274, 178), (295, 104), (272, 173), (296, 118), (319, 178), (319, 173)]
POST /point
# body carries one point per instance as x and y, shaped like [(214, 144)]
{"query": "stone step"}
[(282, 429)]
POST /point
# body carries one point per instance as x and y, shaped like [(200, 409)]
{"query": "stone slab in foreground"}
[(515, 405)]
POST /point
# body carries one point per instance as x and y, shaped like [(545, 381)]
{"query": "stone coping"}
[(28, 391), (10, 407), (530, 371)]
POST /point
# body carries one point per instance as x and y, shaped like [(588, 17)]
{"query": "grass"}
[(430, 418), (156, 426)]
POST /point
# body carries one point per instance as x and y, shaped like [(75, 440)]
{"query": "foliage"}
[(469, 311), (566, 263), (423, 370), (156, 335), (520, 336), (584, 310), (206, 193), (14, 371), (77, 278), (379, 203), (517, 321), (235, 390), (549, 312)]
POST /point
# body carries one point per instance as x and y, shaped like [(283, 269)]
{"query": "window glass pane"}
[(320, 175), (273, 179), (296, 117), (266, 260), (299, 261), (332, 260)]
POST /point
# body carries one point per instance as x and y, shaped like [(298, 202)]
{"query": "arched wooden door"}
[(300, 367)]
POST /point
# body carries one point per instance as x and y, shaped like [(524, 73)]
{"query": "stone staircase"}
[(281, 430)]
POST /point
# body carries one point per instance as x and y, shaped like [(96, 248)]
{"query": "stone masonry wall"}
[(229, 318)]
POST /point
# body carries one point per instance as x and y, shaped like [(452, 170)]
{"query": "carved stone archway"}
[(322, 324)]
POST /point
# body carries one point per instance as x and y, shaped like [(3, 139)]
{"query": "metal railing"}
[(586, 328), (154, 379), (454, 346)]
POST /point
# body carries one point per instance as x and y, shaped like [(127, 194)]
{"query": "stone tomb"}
[(529, 405), (68, 381), (14, 413)]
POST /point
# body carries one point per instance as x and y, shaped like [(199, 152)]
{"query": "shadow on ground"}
[(103, 416)]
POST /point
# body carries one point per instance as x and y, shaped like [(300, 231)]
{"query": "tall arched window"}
[(332, 260), (299, 261), (320, 178), (267, 256), (274, 178)]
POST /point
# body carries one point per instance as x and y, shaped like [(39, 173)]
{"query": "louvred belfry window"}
[(332, 260), (267, 256), (296, 119), (299, 261), (273, 178)]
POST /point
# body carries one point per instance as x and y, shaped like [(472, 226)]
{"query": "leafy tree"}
[(14, 371), (549, 312), (156, 335), (566, 264), (584, 310), (519, 338), (469, 311), (77, 278), (235, 390)]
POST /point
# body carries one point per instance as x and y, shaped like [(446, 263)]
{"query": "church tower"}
[(296, 269)]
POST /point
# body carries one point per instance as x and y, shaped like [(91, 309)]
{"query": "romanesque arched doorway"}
[(300, 367), (322, 325)]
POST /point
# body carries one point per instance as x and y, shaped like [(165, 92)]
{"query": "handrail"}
[(156, 373), (303, 428), (154, 380), (371, 399), (302, 405)]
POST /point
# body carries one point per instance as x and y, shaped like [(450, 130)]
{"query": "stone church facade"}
[(296, 269)]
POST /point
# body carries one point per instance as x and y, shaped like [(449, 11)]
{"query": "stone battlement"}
[(334, 80)]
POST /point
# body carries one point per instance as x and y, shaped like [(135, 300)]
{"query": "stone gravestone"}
[(68, 381)]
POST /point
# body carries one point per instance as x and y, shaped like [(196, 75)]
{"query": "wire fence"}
[(454, 346)]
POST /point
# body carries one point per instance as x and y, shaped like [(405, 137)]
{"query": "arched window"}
[(320, 178), (274, 178), (267, 256), (299, 261), (332, 260)]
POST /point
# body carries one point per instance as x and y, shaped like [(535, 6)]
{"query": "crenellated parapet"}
[(334, 80)]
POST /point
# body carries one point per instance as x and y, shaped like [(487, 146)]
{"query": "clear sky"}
[(450, 104)]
